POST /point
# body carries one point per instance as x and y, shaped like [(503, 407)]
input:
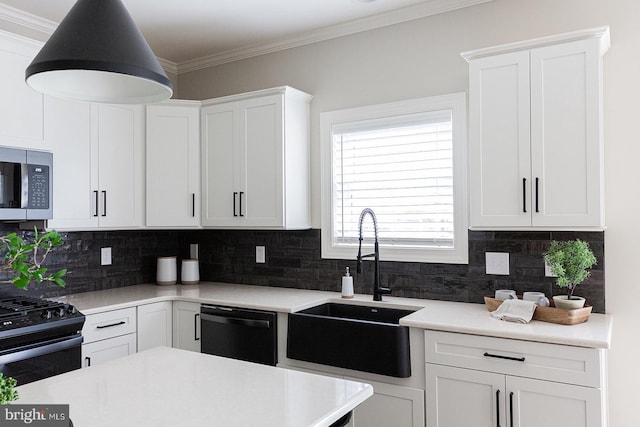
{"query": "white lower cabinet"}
[(186, 325), (108, 335), (390, 405), (512, 383), (154, 325)]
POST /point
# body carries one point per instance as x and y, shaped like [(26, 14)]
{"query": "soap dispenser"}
[(347, 285)]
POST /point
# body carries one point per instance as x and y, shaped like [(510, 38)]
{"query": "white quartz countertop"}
[(430, 314), (171, 387)]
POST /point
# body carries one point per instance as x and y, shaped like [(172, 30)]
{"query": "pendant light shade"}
[(98, 54)]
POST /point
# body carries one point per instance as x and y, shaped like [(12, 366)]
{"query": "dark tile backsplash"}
[(293, 260)]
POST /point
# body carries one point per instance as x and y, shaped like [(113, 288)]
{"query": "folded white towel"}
[(515, 310)]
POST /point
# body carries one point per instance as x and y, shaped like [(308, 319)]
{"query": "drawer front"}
[(99, 352), (109, 324), (552, 362)]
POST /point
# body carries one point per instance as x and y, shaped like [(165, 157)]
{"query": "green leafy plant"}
[(24, 260), (7, 389), (570, 261)]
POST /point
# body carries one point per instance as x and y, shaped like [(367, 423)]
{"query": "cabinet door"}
[(21, 108), (99, 352), (173, 165), (220, 173), (390, 405), (535, 403), (500, 171), (75, 176), (566, 134), (186, 325), (154, 325), (261, 155), (119, 130), (458, 397)]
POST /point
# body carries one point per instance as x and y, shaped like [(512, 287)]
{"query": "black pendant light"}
[(98, 54)]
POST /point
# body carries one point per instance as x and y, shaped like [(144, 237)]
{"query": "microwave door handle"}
[(24, 193)]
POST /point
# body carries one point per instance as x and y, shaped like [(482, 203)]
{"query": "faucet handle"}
[(385, 291)]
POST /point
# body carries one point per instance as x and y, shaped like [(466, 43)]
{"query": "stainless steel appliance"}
[(38, 338), (239, 333), (25, 184)]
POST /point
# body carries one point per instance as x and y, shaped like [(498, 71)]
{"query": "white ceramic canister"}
[(190, 273), (166, 273)]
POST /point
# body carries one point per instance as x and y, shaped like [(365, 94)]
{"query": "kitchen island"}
[(170, 387)]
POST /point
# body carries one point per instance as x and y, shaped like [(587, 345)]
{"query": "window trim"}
[(456, 102)]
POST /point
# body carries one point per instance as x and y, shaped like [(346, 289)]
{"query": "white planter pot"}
[(561, 301)]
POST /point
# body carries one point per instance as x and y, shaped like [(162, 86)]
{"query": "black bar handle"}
[(88, 359), (537, 198), (95, 192), (252, 323), (122, 322), (241, 193), (524, 195), (193, 205), (497, 408), (235, 194), (497, 356), (30, 351), (195, 327), (511, 409), (104, 206)]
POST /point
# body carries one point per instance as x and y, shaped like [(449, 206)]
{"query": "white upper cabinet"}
[(21, 108), (255, 160), (536, 133), (173, 164), (98, 179)]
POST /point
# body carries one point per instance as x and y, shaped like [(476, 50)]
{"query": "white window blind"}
[(402, 168)]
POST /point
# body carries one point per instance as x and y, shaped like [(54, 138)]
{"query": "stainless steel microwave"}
[(25, 184)]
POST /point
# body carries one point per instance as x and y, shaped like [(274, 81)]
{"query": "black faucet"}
[(378, 291)]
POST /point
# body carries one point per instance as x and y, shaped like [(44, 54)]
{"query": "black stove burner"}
[(22, 314)]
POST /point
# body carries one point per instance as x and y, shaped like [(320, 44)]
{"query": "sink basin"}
[(360, 337)]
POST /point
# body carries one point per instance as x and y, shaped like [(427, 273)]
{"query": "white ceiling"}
[(190, 33)]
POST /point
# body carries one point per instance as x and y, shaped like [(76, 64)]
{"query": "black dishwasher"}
[(239, 333)]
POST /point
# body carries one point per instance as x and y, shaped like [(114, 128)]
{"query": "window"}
[(407, 162)]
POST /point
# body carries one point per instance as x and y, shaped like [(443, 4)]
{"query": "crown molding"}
[(432, 7), (410, 13)]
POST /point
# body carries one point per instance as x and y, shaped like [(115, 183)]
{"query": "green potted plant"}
[(8, 392), (570, 261), (23, 261)]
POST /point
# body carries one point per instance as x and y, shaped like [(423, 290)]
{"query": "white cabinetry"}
[(98, 177), (108, 335), (536, 133), (186, 325), (21, 108), (154, 325), (483, 381), (255, 160), (173, 164)]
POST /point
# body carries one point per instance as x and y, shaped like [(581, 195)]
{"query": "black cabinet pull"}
[(88, 359), (537, 183), (193, 205), (524, 195), (511, 409), (195, 327), (95, 193), (122, 322), (241, 193), (497, 356), (497, 408), (235, 194), (104, 206)]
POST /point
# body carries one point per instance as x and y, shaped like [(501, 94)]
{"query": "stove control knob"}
[(46, 314), (71, 309), (59, 312)]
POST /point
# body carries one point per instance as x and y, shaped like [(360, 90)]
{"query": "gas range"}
[(38, 338)]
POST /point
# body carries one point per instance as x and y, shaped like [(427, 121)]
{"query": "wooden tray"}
[(550, 314)]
